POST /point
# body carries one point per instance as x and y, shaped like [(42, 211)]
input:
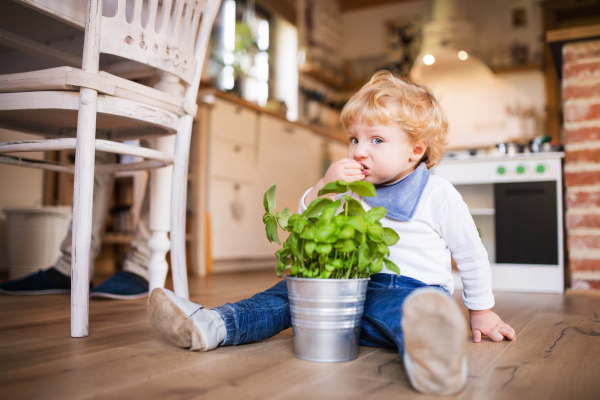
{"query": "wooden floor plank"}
[(556, 355)]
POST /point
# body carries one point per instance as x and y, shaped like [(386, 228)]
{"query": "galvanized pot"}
[(326, 317)]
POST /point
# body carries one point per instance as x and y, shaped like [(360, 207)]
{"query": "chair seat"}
[(46, 103), (54, 114), (71, 79)]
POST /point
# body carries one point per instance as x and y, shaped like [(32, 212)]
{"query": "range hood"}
[(448, 44)]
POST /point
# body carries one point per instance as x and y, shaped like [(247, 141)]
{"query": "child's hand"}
[(346, 169), (487, 322)]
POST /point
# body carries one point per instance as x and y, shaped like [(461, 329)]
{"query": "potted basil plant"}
[(331, 251)]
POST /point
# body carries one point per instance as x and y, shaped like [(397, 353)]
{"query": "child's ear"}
[(418, 150)]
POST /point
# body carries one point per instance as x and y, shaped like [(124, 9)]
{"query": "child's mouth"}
[(364, 170)]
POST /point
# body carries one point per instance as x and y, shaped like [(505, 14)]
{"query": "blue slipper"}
[(49, 281), (122, 286)]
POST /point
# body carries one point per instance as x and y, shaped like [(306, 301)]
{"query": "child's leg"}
[(190, 325), (383, 310), (426, 327), (260, 317)]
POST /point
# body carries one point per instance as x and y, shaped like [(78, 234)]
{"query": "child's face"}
[(386, 151)]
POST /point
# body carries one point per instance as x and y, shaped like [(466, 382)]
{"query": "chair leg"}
[(160, 204), (178, 205), (83, 194)]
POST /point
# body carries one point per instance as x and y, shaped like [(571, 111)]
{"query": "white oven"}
[(517, 205)]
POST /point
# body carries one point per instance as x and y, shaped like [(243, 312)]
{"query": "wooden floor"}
[(556, 354)]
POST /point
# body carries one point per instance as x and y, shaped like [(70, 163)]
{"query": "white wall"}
[(475, 104), (19, 187), (476, 107), (364, 28)]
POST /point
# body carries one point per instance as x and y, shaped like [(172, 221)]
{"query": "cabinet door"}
[(290, 156), (233, 122), (231, 159), (237, 227)]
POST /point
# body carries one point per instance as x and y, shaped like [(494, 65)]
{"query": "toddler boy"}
[(396, 131)]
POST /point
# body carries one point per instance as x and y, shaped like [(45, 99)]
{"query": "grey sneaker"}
[(184, 323), (435, 334)]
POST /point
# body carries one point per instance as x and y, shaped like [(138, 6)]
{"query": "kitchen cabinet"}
[(238, 153)]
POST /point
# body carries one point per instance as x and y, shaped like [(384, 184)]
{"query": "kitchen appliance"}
[(516, 203)]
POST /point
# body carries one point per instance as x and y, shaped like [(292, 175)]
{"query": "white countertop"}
[(499, 158)]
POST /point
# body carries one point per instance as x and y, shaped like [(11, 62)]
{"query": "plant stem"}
[(350, 269)]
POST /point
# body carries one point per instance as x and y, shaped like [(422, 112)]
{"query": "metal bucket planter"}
[(326, 317)]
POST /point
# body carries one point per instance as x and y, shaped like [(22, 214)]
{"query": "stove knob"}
[(501, 170), (540, 168), (520, 169)]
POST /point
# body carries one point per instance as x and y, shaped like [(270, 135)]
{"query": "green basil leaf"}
[(324, 248), (334, 187), (339, 220), (390, 236), (329, 267), (267, 216), (375, 232), (363, 257), (316, 207), (280, 268), (269, 199), (326, 216), (294, 270), (299, 225), (354, 208), (360, 237), (272, 231), (294, 240), (332, 238), (309, 247), (347, 232), (375, 214), (337, 263), (283, 217), (376, 266), (364, 189), (309, 233), (383, 249), (325, 232), (391, 266), (329, 211), (357, 223), (345, 246)]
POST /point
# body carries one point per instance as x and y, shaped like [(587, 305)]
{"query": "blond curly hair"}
[(387, 99)]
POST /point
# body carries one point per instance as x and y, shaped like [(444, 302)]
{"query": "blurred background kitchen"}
[(524, 144)]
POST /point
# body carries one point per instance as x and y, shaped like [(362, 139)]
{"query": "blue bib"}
[(401, 198)]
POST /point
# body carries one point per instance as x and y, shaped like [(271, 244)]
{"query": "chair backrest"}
[(160, 35)]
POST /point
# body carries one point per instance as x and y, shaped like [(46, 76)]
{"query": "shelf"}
[(322, 76), (482, 211), (117, 238)]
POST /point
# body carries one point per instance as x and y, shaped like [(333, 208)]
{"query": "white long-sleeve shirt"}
[(441, 226)]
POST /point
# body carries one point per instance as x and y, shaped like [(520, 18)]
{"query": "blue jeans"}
[(267, 313)]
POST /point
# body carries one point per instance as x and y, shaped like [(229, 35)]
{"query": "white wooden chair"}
[(83, 108)]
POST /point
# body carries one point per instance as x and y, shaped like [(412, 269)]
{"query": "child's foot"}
[(434, 337), (184, 323)]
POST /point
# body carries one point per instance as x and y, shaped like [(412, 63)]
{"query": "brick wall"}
[(581, 97)]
